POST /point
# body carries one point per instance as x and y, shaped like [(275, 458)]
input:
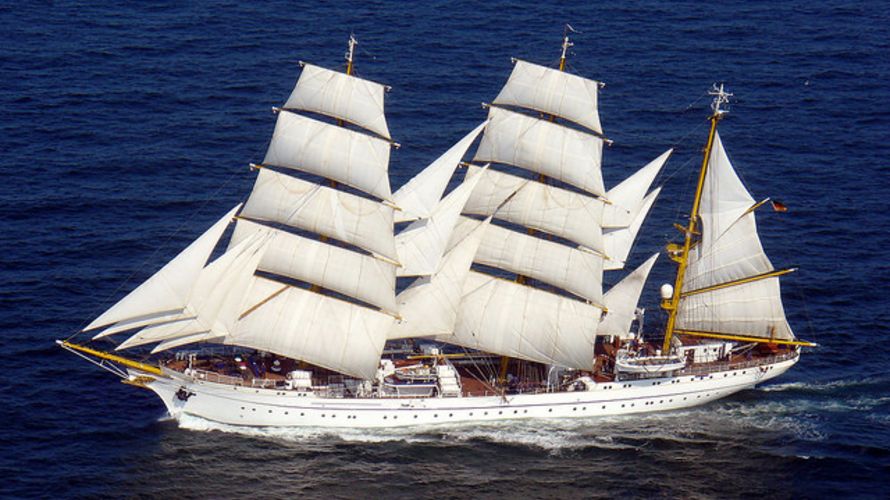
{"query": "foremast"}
[(678, 254)]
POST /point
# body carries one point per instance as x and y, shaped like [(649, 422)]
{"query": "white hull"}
[(255, 407)]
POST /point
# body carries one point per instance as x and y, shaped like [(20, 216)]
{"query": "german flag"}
[(778, 206)]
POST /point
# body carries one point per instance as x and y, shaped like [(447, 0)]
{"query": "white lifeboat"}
[(627, 362)]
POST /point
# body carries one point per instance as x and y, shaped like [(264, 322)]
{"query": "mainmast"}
[(681, 254), (566, 43)]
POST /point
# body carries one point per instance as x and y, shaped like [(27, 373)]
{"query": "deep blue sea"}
[(127, 128)]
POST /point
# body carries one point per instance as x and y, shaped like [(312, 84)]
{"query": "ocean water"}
[(127, 128)]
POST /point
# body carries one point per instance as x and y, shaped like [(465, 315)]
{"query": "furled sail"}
[(353, 158), (729, 286), (621, 301), (430, 305), (514, 320), (305, 325), (342, 96), (167, 291), (553, 92), (282, 199), (546, 148), (419, 196), (421, 245)]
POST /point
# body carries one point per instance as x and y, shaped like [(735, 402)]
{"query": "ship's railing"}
[(216, 377), (739, 365)]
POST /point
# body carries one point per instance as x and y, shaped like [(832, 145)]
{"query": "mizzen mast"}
[(681, 254)]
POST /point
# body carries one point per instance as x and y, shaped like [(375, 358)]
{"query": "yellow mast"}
[(682, 259)]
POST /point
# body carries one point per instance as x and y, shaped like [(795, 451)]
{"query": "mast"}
[(350, 53), (566, 43), (681, 254)]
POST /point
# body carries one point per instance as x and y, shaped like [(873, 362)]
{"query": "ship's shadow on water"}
[(773, 433)]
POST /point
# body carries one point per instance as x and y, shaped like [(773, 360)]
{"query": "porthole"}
[(604, 407), (415, 416), (550, 410), (515, 412), (270, 411), (302, 414), (451, 414), (384, 417)]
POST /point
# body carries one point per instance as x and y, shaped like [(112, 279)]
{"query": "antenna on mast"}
[(720, 98), (565, 45), (350, 53)]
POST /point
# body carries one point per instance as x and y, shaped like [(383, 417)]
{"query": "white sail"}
[(752, 309), (353, 158), (283, 199), (737, 254), (729, 251), (724, 198), (553, 92), (359, 276), (340, 96), (419, 196), (185, 340), (514, 320), (142, 321), (627, 197), (621, 301), (560, 212), (167, 291), (570, 269), (215, 299), (619, 242), (421, 245), (321, 330), (554, 150), (430, 305)]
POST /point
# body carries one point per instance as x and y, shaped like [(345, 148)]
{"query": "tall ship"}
[(328, 300)]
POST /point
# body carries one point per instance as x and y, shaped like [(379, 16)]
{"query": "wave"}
[(829, 385)]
